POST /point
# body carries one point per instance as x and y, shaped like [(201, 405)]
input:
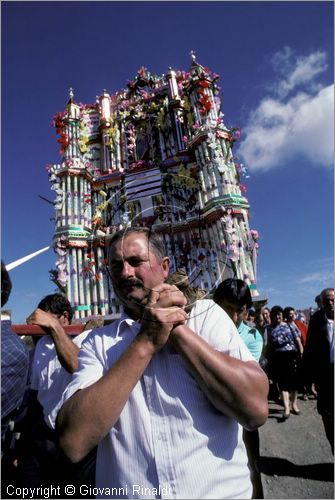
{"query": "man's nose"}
[(127, 269)]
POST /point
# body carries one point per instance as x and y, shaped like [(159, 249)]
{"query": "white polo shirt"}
[(169, 441)]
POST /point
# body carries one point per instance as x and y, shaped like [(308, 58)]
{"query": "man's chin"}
[(135, 297)]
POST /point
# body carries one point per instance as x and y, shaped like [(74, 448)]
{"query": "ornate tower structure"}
[(154, 154)]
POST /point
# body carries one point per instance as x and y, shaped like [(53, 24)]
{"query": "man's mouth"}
[(127, 285)]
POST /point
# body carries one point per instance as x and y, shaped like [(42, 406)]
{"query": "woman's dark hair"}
[(155, 241), (287, 311), (6, 285), (56, 303), (275, 310), (235, 291)]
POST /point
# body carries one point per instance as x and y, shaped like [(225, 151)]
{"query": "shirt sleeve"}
[(90, 369), (35, 369), (53, 399), (212, 323)]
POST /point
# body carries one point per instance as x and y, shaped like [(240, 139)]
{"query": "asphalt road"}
[(296, 459)]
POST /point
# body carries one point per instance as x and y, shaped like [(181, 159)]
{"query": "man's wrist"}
[(177, 334), (56, 328), (145, 344), (178, 330)]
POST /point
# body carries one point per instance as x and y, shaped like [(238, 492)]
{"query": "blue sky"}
[(275, 61)]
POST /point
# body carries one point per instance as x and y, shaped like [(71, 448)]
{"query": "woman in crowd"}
[(262, 321), (286, 350)]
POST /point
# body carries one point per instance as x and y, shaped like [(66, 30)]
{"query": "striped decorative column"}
[(81, 283), (100, 281), (69, 201), (75, 201), (75, 279)]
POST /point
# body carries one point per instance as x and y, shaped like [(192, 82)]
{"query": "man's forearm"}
[(67, 350), (89, 414), (237, 388)]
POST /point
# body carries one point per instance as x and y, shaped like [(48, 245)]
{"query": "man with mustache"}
[(163, 395)]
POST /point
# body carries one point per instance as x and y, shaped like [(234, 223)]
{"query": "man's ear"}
[(66, 316), (166, 266)]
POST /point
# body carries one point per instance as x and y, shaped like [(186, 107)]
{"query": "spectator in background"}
[(262, 320), (318, 360), (289, 317), (286, 350), (14, 375), (265, 311), (301, 328), (56, 353), (14, 362), (301, 317), (307, 389), (318, 302), (251, 317), (234, 296), (55, 359)]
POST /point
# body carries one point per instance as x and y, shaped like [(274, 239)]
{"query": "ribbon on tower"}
[(18, 262)]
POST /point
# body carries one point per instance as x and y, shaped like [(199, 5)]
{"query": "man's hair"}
[(155, 241), (287, 311), (94, 323), (235, 291), (56, 303), (180, 279), (6, 285), (326, 290)]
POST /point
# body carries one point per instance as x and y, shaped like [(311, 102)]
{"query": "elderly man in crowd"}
[(318, 360)]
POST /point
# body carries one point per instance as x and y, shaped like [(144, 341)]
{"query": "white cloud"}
[(292, 120), (297, 71), (322, 277)]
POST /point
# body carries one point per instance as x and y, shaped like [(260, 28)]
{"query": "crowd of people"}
[(298, 357), (164, 402)]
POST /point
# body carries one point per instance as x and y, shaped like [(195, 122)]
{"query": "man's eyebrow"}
[(115, 257)]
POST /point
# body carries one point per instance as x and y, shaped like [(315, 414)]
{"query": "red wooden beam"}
[(37, 330)]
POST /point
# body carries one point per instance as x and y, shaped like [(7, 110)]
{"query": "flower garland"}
[(205, 99), (254, 237)]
